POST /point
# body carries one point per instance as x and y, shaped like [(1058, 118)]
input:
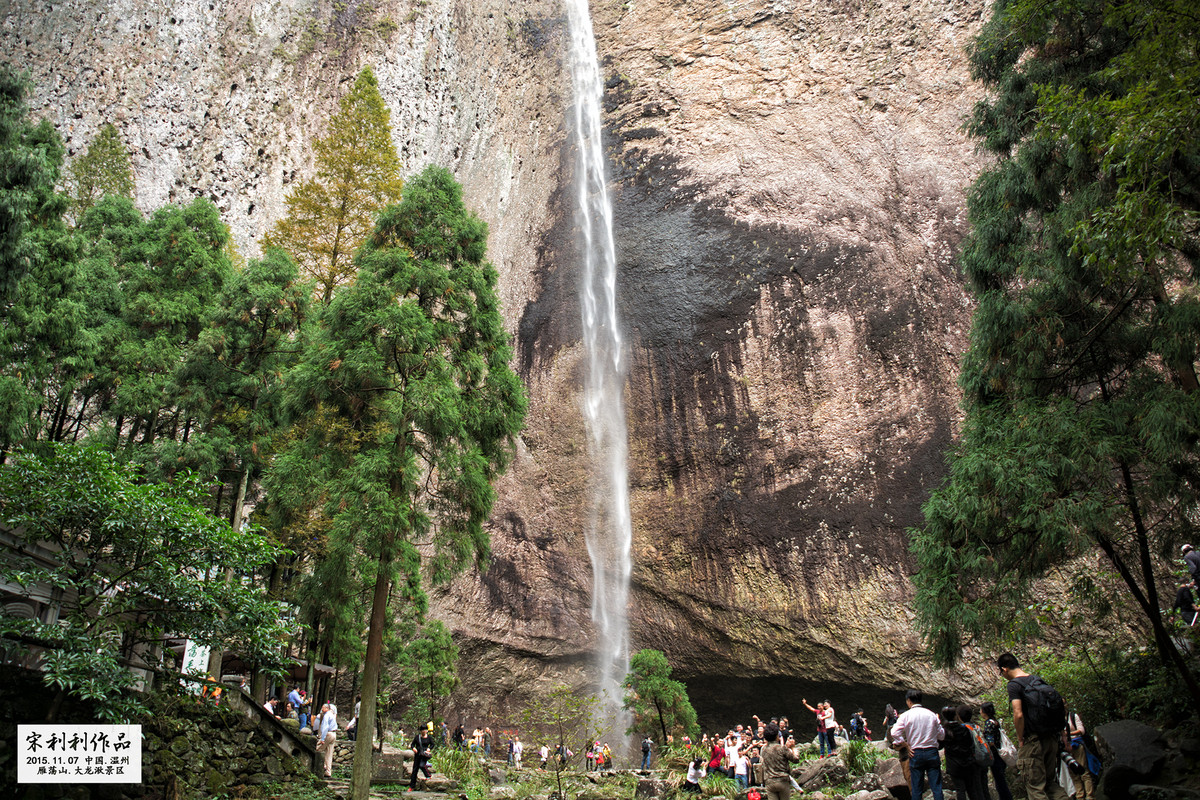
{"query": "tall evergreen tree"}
[(39, 286), (104, 169), (1082, 410), (656, 699), (358, 174), (413, 358)]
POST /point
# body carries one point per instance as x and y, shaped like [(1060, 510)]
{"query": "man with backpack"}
[(1040, 718)]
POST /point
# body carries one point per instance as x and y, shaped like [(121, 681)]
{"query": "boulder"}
[(866, 783), (869, 794), (828, 771), (651, 787), (498, 776), (1143, 792), (502, 792), (391, 768), (891, 777), (437, 783), (1133, 753)]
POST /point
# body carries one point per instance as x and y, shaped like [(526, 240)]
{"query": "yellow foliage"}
[(358, 175)]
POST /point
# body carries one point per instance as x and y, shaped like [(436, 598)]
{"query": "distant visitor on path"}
[(647, 744), (1191, 557), (327, 736), (920, 730), (1040, 719), (422, 747)]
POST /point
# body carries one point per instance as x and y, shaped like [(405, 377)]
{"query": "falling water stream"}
[(610, 530)]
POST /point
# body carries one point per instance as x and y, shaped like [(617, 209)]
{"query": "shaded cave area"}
[(723, 701)]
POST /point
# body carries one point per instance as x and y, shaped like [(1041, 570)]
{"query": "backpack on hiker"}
[(981, 750), (1042, 705)]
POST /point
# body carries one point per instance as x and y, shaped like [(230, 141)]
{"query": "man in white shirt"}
[(920, 730)]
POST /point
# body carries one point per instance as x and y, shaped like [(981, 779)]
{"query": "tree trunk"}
[(217, 656), (360, 782)]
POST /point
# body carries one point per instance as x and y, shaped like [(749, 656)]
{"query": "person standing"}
[(1185, 604), (777, 759), (1192, 557), (920, 730), (717, 757), (889, 719), (1085, 788), (294, 698), (741, 770), (992, 732), (327, 736), (422, 747), (820, 712), (1040, 720), (647, 744), (960, 753), (518, 750), (831, 727)]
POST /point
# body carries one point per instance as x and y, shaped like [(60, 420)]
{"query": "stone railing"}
[(292, 742)]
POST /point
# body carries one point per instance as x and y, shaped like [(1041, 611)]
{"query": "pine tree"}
[(1082, 411), (655, 698), (39, 282), (358, 174), (103, 170), (413, 359)]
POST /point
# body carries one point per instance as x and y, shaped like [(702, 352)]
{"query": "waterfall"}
[(610, 530)]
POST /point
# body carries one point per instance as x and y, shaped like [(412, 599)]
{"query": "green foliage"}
[(130, 558), (411, 361), (658, 703), (358, 175), (859, 756), (30, 161), (105, 169), (38, 279), (719, 785), (458, 765), (1081, 396), (563, 720), (1105, 684), (429, 666)]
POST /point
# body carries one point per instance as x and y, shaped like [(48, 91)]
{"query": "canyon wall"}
[(789, 185)]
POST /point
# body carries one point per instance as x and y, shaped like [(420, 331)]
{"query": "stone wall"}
[(207, 751), (189, 750)]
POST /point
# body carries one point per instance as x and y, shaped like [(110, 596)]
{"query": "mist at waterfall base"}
[(724, 701), (609, 530)]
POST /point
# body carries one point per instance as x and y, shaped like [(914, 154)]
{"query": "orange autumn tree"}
[(358, 175)]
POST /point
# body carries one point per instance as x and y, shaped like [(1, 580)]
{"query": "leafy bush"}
[(718, 785), (459, 765), (1106, 685), (859, 756)]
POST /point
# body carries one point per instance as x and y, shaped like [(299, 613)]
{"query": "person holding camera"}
[(777, 760)]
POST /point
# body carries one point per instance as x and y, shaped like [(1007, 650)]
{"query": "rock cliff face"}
[(788, 177)]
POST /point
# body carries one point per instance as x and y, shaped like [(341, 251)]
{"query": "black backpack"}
[(1043, 707)]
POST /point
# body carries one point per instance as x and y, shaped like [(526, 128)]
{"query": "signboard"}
[(195, 662), (79, 754)]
